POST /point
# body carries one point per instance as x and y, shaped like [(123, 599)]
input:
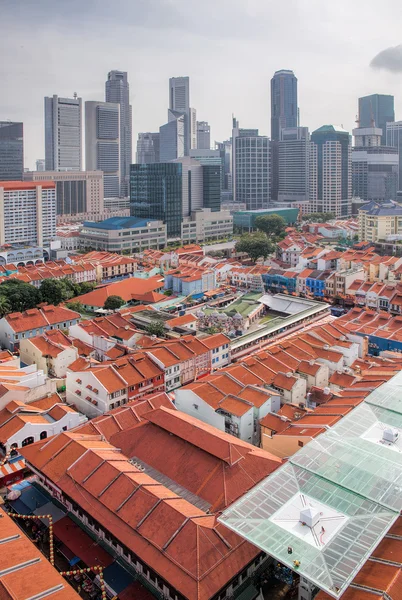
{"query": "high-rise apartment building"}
[(118, 92), (377, 110), (334, 170), (172, 137), (251, 167), (102, 144), (76, 192), (394, 139), (179, 103), (11, 151), (375, 168), (147, 148), (203, 135), (40, 164), (156, 193), (28, 212), (63, 134), (297, 168)]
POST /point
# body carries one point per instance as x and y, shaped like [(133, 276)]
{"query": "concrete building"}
[(123, 234), (225, 150), (375, 168), (394, 139), (117, 91), (102, 144), (172, 137), (203, 225), (179, 103), (11, 151), (63, 133), (203, 135), (40, 164), (379, 221), (28, 211), (297, 168), (376, 110), (147, 148), (250, 167), (334, 171), (193, 129), (211, 157), (76, 192)]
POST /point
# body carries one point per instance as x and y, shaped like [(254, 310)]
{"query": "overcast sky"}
[(229, 48)]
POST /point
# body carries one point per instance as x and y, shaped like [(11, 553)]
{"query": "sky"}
[(229, 48)]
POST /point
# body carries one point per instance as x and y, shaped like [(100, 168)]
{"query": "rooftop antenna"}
[(75, 95), (357, 120)]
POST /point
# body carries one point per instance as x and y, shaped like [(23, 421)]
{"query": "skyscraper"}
[(375, 168), (11, 151), (117, 91), (251, 172), (102, 143), (63, 133), (297, 168), (376, 111), (284, 113), (394, 138), (179, 102), (334, 171), (172, 137), (40, 164), (147, 148), (203, 135)]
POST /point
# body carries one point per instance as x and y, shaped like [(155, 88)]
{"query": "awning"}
[(30, 500), (50, 509), (80, 543), (117, 578), (12, 467)]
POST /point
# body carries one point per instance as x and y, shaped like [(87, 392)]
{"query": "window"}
[(195, 406), (43, 435), (300, 444), (27, 441)]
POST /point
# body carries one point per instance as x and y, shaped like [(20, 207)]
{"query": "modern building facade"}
[(244, 220), (179, 103), (375, 168), (251, 167), (11, 151), (334, 171), (147, 148), (225, 150), (172, 137), (203, 135), (204, 225), (124, 234), (28, 212), (118, 92), (40, 164), (156, 194), (63, 133), (377, 110), (76, 192), (394, 139), (297, 168), (380, 221), (102, 144)]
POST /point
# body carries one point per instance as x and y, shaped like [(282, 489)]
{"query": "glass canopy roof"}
[(323, 512)]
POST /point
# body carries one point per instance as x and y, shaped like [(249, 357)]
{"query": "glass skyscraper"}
[(376, 111), (63, 134), (11, 151), (156, 193)]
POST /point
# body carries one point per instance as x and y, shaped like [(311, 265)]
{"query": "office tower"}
[(179, 102), (376, 111), (40, 164), (334, 170), (28, 212), (284, 113), (225, 150), (11, 151), (172, 137), (156, 193), (212, 182), (203, 135), (76, 193), (63, 134), (102, 144), (210, 157), (375, 168), (117, 92), (147, 148), (250, 167), (394, 139), (297, 182)]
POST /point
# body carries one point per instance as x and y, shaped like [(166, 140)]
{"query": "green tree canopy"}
[(20, 296), (156, 328), (256, 245), (113, 303), (319, 217), (54, 291), (74, 305), (5, 306), (273, 225)]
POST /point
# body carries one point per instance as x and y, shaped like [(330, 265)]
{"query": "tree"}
[(272, 225), (156, 328), (20, 295), (113, 302), (75, 305), (256, 245), (319, 217), (55, 291), (5, 306), (85, 287)]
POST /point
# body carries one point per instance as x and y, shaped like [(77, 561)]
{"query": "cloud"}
[(389, 59)]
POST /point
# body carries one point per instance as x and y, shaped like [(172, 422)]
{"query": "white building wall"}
[(190, 403)]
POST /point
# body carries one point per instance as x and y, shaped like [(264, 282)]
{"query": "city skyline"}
[(341, 67)]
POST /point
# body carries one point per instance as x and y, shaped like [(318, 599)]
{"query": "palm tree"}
[(4, 306)]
